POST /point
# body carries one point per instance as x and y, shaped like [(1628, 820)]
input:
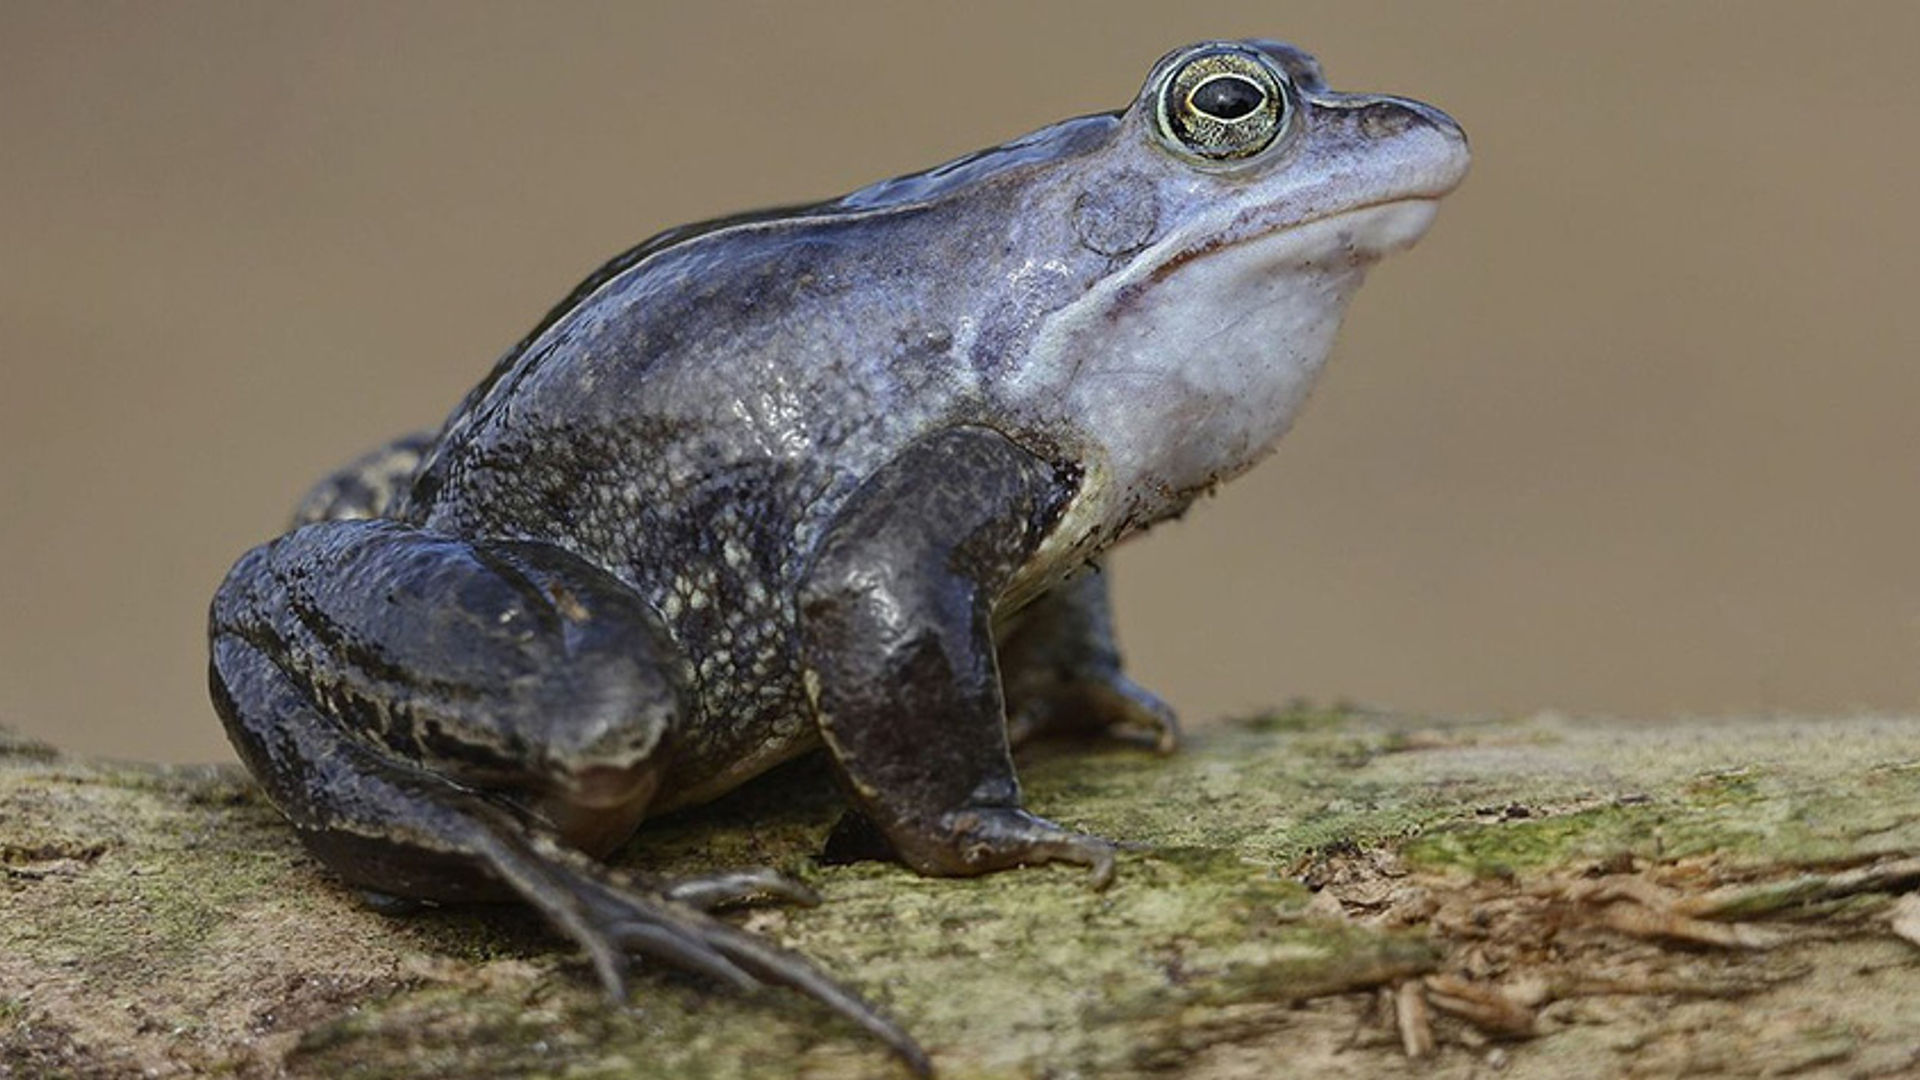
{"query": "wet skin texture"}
[(835, 477)]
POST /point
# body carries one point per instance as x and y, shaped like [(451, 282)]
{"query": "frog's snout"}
[(1422, 147), (1388, 117)]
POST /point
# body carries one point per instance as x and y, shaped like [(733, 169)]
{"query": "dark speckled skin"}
[(806, 477)]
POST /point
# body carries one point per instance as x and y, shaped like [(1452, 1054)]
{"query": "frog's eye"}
[(1222, 104)]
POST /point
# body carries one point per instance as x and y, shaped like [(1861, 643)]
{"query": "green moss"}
[(1745, 815), (1078, 972), (178, 898), (1298, 715), (1737, 786), (1325, 957), (1507, 848)]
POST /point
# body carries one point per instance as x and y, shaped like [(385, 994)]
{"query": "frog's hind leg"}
[(396, 693), (368, 486)]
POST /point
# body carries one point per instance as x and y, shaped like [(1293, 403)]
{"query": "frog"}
[(836, 479)]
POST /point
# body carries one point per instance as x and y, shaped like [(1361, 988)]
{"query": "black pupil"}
[(1229, 97)]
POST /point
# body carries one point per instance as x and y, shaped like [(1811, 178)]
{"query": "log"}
[(1314, 892)]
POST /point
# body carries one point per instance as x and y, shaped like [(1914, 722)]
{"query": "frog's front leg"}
[(1062, 671), (896, 627), (449, 720)]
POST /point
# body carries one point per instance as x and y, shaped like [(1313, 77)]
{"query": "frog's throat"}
[(1182, 371)]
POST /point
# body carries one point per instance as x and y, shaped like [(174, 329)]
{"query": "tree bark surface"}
[(1314, 892)]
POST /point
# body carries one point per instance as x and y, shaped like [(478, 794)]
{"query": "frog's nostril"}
[(1385, 119)]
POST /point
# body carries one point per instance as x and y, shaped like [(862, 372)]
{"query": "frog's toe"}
[(741, 887), (613, 924), (984, 839), (1110, 704), (1131, 712), (674, 945), (769, 963)]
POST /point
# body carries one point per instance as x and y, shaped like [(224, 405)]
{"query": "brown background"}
[(1633, 430)]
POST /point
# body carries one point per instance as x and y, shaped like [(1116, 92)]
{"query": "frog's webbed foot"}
[(897, 639), (981, 839), (973, 841), (1063, 675), (614, 922)]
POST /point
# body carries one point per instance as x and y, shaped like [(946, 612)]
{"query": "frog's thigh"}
[(896, 627), (506, 666), (368, 486), (1062, 670), (381, 826)]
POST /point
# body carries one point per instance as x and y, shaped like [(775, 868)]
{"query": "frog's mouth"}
[(1345, 239), (1370, 233)]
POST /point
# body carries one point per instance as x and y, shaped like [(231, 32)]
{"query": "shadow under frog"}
[(821, 477)]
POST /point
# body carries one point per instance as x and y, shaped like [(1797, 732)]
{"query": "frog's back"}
[(735, 386), (758, 367)]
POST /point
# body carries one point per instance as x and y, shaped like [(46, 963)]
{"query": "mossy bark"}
[(1316, 893)]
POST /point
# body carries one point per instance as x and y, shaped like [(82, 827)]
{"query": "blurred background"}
[(1633, 431)]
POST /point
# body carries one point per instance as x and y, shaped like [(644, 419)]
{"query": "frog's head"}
[(1213, 234)]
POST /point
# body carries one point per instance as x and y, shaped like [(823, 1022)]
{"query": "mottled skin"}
[(826, 476)]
